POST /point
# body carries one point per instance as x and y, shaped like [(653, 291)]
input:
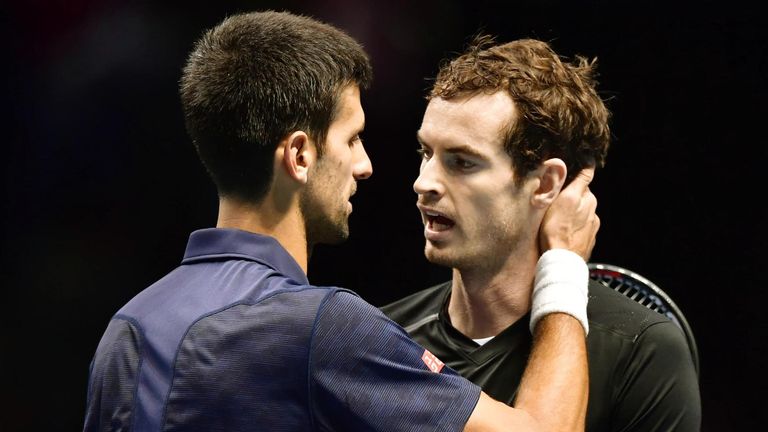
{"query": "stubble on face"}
[(486, 203), (324, 206), (484, 245), (324, 201)]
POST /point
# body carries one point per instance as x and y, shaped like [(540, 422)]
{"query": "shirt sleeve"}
[(659, 390), (366, 374)]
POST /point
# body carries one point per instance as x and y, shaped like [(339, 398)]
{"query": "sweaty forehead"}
[(470, 120)]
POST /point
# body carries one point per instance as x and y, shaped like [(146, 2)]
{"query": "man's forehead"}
[(478, 118), (479, 103), (350, 108)]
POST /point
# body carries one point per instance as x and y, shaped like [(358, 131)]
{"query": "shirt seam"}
[(139, 367), (310, 399), (630, 336), (615, 391), (207, 315), (420, 323)]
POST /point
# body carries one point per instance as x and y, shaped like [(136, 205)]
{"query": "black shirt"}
[(641, 375)]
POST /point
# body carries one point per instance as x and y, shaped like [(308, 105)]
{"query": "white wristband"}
[(561, 283)]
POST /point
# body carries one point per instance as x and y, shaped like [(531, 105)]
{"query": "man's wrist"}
[(560, 285)]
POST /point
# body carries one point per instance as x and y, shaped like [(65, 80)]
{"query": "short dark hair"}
[(255, 78), (559, 111)]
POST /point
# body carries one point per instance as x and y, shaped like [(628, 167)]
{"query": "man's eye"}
[(462, 163), (355, 140), (424, 153)]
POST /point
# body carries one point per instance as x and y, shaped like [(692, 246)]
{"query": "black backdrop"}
[(102, 187)]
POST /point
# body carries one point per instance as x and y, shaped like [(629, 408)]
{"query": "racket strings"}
[(633, 290)]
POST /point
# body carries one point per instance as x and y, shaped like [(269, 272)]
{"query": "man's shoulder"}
[(641, 367), (612, 312), (418, 306), (204, 289)]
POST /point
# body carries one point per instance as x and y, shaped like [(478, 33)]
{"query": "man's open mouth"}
[(438, 222)]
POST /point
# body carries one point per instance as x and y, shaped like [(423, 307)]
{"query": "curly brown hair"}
[(560, 112)]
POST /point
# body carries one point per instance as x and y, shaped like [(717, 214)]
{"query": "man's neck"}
[(287, 227), (485, 302)]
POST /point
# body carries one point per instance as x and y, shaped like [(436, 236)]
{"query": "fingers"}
[(584, 178), (589, 200), (571, 221), (595, 228)]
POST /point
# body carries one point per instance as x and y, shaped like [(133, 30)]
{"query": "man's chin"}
[(338, 238), (440, 257), (330, 235)]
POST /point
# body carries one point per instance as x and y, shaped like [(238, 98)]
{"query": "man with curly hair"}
[(506, 128), (236, 338)]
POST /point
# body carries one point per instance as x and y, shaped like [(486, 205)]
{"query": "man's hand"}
[(570, 222)]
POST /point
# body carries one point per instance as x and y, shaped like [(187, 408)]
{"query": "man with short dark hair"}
[(506, 127), (236, 338)]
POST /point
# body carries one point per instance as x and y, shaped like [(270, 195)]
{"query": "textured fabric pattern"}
[(236, 339), (113, 383), (392, 389)]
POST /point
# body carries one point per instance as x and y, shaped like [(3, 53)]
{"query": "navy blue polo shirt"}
[(236, 338)]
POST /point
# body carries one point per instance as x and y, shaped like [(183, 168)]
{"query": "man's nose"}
[(362, 168), (428, 182)]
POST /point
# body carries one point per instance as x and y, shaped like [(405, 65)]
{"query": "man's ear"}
[(551, 175), (298, 154)]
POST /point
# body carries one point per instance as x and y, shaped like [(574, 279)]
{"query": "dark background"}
[(102, 187)]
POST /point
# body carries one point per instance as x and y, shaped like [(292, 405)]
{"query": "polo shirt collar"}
[(217, 243)]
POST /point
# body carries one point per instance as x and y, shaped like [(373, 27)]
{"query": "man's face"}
[(333, 179), (474, 213)]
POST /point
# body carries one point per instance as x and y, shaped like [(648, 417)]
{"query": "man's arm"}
[(554, 389), (553, 393)]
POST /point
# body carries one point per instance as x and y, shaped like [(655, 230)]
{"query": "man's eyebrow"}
[(460, 148), (464, 149)]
